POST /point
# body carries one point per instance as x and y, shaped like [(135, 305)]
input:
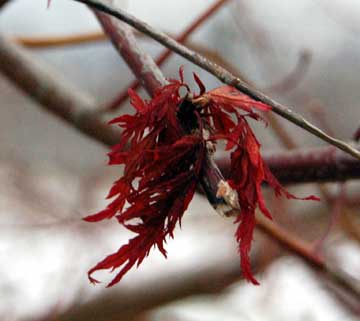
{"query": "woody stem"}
[(54, 94), (213, 177), (221, 73), (166, 54)]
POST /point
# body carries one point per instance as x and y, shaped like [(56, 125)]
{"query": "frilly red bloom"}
[(163, 149)]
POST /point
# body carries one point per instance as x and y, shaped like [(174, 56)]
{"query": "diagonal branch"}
[(219, 72), (213, 177), (304, 251), (55, 95), (141, 64), (164, 56), (52, 92), (31, 77)]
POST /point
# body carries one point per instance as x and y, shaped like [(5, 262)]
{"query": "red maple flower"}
[(163, 148)]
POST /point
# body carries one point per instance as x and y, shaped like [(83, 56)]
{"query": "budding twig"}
[(164, 56), (219, 189), (56, 96), (219, 72)]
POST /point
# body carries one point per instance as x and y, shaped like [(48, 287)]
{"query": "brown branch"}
[(24, 69), (131, 300), (322, 164), (212, 177), (84, 38), (151, 77), (54, 95), (221, 73), (318, 111), (304, 251), (52, 92), (139, 62), (164, 56), (281, 132)]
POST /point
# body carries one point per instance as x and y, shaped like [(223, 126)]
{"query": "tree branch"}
[(164, 56), (40, 84), (219, 72), (212, 177), (52, 92), (141, 64), (125, 303), (304, 251), (324, 164)]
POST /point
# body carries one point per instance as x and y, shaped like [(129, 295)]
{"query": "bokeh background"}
[(304, 53)]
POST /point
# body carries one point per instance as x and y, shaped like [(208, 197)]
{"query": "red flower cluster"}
[(163, 149)]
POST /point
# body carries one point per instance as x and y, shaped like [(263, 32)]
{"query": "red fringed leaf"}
[(248, 172), (161, 170), (162, 150), (200, 84)]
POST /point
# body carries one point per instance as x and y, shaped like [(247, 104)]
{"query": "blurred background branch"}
[(47, 206)]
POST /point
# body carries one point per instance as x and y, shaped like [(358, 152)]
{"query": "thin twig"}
[(57, 41), (213, 177), (318, 111), (45, 42), (29, 73), (221, 73), (55, 95), (164, 56)]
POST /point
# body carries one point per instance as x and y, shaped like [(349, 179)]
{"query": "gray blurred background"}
[(52, 176)]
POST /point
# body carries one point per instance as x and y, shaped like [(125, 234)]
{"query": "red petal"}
[(228, 95), (244, 235), (137, 102), (200, 84)]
